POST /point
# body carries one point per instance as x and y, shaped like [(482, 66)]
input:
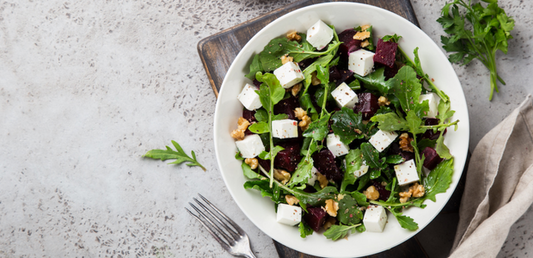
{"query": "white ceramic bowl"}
[(343, 16)]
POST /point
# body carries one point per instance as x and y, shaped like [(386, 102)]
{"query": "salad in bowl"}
[(345, 132)]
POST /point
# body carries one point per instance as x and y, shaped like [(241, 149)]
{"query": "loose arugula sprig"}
[(179, 155), (490, 31)]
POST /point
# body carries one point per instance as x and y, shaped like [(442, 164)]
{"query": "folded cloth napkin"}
[(499, 185)]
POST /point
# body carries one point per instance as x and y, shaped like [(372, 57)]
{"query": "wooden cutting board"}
[(219, 50)]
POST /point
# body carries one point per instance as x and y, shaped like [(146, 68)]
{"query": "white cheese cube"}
[(362, 170), (249, 98), (311, 181), (344, 96), (382, 139), (335, 145), (289, 74), (433, 101), (250, 146), (319, 35), (375, 218), (289, 215), (361, 62), (285, 128), (406, 172)]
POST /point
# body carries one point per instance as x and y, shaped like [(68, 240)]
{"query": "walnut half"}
[(332, 207)]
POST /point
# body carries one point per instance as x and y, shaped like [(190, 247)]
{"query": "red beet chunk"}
[(349, 44), (287, 106), (383, 193), (390, 71), (249, 115), (429, 134), (368, 105), (324, 162), (385, 53), (395, 150), (315, 217), (346, 76), (432, 158), (334, 73), (257, 83), (264, 163), (306, 63), (288, 158)]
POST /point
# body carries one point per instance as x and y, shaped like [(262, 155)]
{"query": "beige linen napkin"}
[(499, 185)]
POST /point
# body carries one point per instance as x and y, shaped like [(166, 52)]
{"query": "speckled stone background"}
[(87, 87)]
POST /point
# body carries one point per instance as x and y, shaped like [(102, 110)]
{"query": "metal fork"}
[(230, 236)]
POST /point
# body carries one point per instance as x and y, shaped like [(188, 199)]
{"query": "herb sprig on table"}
[(476, 32), (179, 155)]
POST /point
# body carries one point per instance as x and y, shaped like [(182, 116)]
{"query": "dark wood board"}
[(218, 51)]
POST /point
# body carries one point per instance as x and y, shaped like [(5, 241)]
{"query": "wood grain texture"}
[(218, 51)]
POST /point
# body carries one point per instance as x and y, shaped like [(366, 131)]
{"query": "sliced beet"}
[(432, 158), (287, 106), (288, 158), (264, 163), (324, 162), (349, 44), (334, 73), (346, 76), (383, 193), (315, 217), (249, 115), (385, 53), (368, 105), (394, 149), (429, 134), (390, 71)]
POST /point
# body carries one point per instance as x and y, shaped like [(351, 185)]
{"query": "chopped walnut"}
[(282, 175), (361, 35), (365, 27), (418, 190), (340, 197), (293, 35), (365, 43), (405, 142), (322, 180), (238, 134), (299, 113), (286, 58), (296, 89), (383, 101), (332, 207), (252, 162), (371, 193), (329, 222), (404, 196), (302, 115), (314, 80), (291, 200)]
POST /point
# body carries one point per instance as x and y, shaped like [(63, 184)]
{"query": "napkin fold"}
[(499, 185)]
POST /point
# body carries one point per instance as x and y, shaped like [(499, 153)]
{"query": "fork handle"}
[(250, 255)]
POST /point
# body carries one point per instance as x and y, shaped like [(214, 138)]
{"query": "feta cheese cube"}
[(319, 35), (250, 146), (344, 96), (433, 101), (406, 172), (361, 62), (289, 74), (249, 98), (335, 145), (362, 170), (382, 139), (311, 181), (375, 218), (289, 215), (285, 128)]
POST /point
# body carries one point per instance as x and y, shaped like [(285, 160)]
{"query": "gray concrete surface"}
[(87, 87)]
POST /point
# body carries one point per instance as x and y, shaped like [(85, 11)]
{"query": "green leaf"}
[(441, 148), (394, 159), (255, 67), (261, 115), (261, 185), (179, 155), (303, 172), (371, 156), (274, 89), (321, 61), (322, 73), (315, 199), (439, 179), (348, 125), (248, 172), (394, 38), (422, 144), (318, 130), (337, 232), (354, 159), (407, 88), (272, 153), (360, 198), (305, 230), (414, 123), (259, 127), (376, 81), (390, 122), (406, 222), (349, 212)]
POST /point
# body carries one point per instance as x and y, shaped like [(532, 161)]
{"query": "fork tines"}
[(222, 228)]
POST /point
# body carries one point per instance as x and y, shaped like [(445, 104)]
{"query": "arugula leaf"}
[(305, 230), (394, 159), (376, 81), (405, 221), (426, 143), (360, 198), (337, 232), (476, 32), (321, 61), (262, 186), (349, 212), (390, 122), (421, 73), (270, 154), (318, 130), (394, 38), (179, 155), (354, 161), (314, 199), (371, 156), (303, 172), (259, 128), (261, 115), (407, 88), (255, 67), (348, 125), (248, 172), (441, 148), (439, 179)]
